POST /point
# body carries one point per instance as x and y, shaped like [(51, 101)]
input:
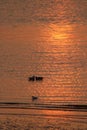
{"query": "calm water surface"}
[(58, 53), (47, 39)]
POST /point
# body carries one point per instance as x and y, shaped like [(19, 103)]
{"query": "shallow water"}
[(28, 119)]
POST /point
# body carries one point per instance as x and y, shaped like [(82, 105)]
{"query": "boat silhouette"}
[(34, 98), (35, 78)]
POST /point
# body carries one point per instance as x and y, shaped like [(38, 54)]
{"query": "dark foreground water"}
[(34, 119), (48, 39)]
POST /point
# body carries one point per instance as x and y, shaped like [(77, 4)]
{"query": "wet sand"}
[(32, 119)]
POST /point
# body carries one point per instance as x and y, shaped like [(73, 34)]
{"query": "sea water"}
[(47, 39)]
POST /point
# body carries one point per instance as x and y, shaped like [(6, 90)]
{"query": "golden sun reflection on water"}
[(60, 32), (35, 32), (24, 33)]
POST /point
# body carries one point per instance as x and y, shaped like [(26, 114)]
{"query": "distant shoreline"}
[(17, 105)]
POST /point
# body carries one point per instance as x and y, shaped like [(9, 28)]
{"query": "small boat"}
[(34, 98), (35, 78), (39, 78), (32, 78)]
